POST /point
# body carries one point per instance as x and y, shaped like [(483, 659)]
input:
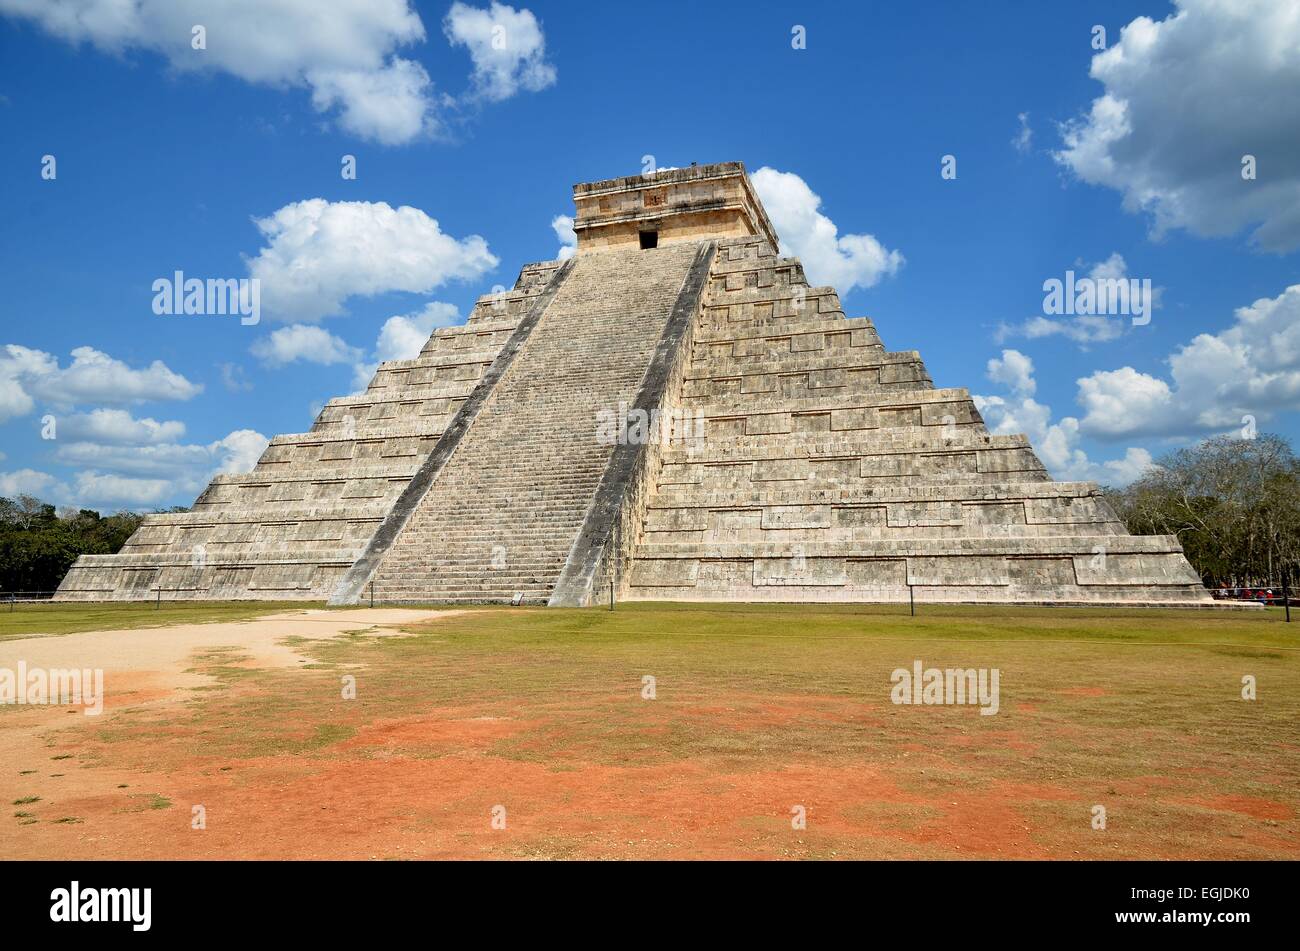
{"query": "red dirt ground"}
[(424, 785)]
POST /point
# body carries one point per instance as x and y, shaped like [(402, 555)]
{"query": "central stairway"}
[(500, 518)]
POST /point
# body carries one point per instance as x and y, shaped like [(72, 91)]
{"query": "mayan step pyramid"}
[(800, 460)]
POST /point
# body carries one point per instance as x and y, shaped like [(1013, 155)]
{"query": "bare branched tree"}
[(1233, 503)]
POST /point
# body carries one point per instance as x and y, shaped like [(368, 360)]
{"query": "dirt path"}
[(168, 651), (146, 667)]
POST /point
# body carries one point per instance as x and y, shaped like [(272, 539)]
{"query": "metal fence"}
[(12, 598)]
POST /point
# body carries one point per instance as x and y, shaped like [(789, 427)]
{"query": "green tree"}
[(38, 544)]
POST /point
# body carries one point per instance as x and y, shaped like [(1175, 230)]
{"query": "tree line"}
[(38, 543), (1233, 502)]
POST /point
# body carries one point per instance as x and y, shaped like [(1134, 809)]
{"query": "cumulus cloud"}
[(1013, 370), (1057, 443), (117, 426), (403, 337), (17, 365), (112, 474), (506, 46), (391, 105), (320, 253), (27, 375), (1086, 329), (842, 261), (120, 459), (344, 52), (1185, 99), (562, 225), (103, 489), (302, 343), (25, 482), (1250, 369), (239, 451)]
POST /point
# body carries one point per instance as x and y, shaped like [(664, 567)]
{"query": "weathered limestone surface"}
[(290, 528), (827, 468), (831, 469), (501, 518)]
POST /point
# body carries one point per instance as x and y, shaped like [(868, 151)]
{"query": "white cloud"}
[(25, 482), (390, 105), (117, 426), (1024, 139), (1123, 402), (149, 475), (121, 459), (403, 337), (19, 367), (562, 225), (239, 451), (1252, 368), (844, 262), (234, 379), (1013, 370), (343, 51), (1057, 444), (1086, 329), (506, 45), (172, 461), (1083, 329), (104, 490), (1185, 99), (362, 374), (301, 342), (27, 375), (320, 253)]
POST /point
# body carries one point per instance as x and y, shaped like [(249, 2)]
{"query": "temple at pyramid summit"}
[(673, 413)]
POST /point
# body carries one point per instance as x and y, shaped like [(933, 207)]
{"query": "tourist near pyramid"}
[(671, 414)]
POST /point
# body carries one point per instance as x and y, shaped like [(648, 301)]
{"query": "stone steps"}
[(521, 481), (339, 479), (831, 469)]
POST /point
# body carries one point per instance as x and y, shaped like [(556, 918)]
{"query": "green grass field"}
[(28, 618), (758, 711)]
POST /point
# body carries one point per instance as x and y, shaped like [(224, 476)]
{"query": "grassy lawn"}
[(758, 711), (26, 619)]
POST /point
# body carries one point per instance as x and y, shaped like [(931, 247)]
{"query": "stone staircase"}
[(831, 469), (499, 521), (289, 529)]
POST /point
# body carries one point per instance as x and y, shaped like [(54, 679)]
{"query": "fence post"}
[(911, 599), (611, 594), (372, 593), (1286, 595)]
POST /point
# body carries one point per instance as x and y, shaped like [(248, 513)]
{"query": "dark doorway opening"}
[(649, 239)]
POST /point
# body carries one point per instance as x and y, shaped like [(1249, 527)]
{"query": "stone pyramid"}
[(672, 414)]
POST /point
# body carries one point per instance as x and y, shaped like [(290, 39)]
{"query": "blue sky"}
[(167, 158)]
